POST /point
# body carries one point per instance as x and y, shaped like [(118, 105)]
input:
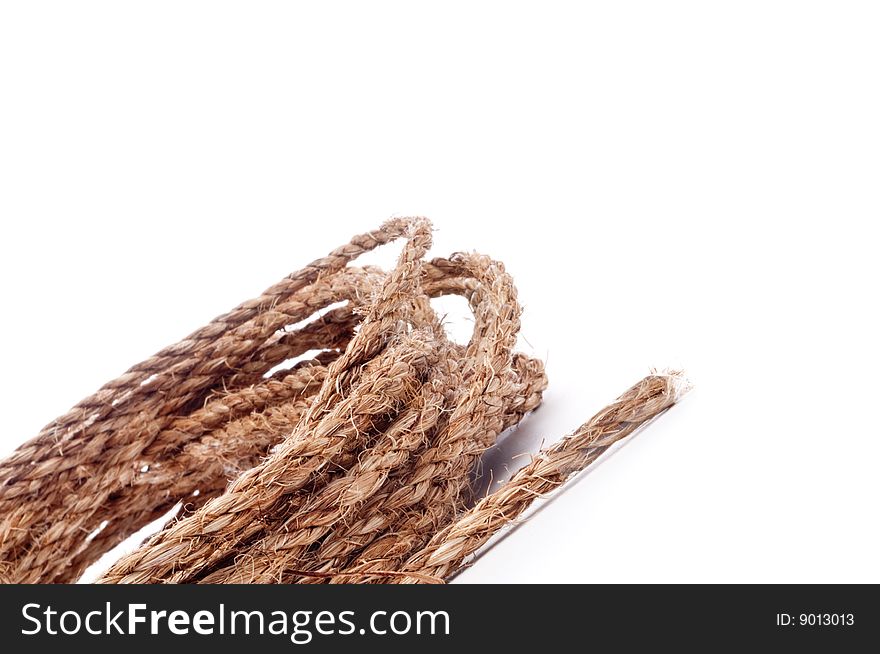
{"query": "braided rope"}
[(352, 466)]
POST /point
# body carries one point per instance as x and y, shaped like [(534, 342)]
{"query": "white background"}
[(671, 184)]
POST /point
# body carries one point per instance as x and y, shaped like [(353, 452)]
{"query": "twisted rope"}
[(353, 466)]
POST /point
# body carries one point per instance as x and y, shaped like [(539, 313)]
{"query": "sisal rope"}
[(353, 466)]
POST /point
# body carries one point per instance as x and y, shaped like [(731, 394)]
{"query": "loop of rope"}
[(353, 466)]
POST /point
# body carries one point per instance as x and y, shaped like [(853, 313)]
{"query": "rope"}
[(353, 466)]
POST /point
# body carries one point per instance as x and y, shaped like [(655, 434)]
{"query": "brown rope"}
[(450, 546), (352, 466)]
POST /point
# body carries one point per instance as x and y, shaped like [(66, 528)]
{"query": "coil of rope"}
[(353, 466)]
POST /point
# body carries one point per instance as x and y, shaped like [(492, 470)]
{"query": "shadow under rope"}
[(513, 451)]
